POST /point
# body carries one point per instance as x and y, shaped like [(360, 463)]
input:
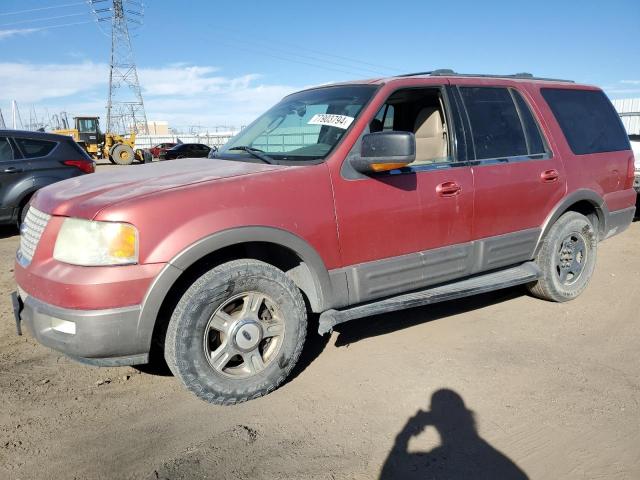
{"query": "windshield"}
[(303, 126), (87, 125)]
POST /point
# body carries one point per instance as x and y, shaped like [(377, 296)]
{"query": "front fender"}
[(314, 274)]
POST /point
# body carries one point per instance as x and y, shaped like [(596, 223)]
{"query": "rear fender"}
[(599, 206)]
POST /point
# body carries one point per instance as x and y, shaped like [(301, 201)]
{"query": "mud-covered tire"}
[(122, 154), (559, 256), (188, 340)]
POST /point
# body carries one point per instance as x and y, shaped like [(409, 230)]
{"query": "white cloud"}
[(179, 93), (8, 33), (622, 91), (630, 82), (26, 82)]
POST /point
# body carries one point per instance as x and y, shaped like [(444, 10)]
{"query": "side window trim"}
[(7, 139), (458, 127), (545, 143), (511, 158), (17, 153), (527, 140)]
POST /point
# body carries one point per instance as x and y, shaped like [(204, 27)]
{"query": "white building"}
[(629, 111)]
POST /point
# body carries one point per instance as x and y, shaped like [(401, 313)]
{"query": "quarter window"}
[(496, 128), (588, 120), (32, 148)]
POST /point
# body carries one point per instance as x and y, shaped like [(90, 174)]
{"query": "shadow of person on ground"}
[(462, 453)]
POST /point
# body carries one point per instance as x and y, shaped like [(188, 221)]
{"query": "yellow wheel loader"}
[(119, 149)]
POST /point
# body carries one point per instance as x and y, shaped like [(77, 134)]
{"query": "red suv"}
[(345, 200)]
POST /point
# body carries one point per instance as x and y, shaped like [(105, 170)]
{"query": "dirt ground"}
[(496, 386)]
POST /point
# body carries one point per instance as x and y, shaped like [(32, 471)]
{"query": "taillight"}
[(87, 166), (630, 172)]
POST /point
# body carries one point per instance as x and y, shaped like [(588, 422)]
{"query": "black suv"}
[(32, 160), (186, 150)]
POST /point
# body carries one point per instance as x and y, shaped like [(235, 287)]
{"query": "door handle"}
[(448, 189), (549, 176), (11, 170)]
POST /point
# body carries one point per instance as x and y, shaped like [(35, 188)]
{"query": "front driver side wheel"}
[(237, 332)]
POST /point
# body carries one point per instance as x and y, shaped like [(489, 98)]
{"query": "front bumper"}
[(106, 337)]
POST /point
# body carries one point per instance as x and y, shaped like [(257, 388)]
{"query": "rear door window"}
[(496, 128), (6, 151), (34, 148), (588, 120)]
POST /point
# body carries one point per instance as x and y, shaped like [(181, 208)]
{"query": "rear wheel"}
[(237, 332), (566, 259), (122, 154)]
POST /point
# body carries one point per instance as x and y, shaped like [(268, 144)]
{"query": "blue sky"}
[(215, 63)]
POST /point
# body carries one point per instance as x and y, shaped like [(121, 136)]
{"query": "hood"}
[(86, 195)]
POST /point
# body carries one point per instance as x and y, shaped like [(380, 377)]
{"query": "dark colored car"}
[(345, 200), (160, 148), (32, 160), (186, 150)]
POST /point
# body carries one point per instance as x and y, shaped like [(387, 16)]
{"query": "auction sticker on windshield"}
[(330, 120)]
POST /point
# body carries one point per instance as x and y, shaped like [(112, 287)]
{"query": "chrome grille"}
[(30, 233)]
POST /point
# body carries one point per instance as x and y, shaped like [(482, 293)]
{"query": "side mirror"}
[(384, 151)]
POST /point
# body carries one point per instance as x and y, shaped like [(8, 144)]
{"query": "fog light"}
[(63, 326)]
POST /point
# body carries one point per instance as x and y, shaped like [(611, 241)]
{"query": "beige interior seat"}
[(431, 144)]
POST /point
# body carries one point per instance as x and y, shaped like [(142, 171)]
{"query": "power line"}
[(43, 19), (39, 29), (352, 60), (18, 12), (301, 62), (292, 50), (317, 60)]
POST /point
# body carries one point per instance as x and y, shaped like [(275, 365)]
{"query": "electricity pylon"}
[(125, 107)]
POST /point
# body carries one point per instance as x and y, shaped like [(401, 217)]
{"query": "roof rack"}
[(447, 72)]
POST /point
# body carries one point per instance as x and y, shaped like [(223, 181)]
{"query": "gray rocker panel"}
[(383, 278)]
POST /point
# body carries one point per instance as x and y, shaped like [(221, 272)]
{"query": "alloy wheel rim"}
[(244, 335), (571, 258)]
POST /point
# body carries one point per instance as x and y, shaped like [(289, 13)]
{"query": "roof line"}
[(447, 72)]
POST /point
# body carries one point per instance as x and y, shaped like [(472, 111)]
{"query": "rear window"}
[(32, 148), (588, 120), (496, 128)]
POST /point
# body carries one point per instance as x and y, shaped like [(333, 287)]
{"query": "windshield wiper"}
[(255, 152)]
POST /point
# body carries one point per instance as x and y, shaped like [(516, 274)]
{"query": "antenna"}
[(125, 108)]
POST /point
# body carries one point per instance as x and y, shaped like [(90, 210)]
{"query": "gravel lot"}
[(495, 386)]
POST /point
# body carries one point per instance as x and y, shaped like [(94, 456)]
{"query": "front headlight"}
[(92, 243)]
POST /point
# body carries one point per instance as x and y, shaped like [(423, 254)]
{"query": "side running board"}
[(525, 273)]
